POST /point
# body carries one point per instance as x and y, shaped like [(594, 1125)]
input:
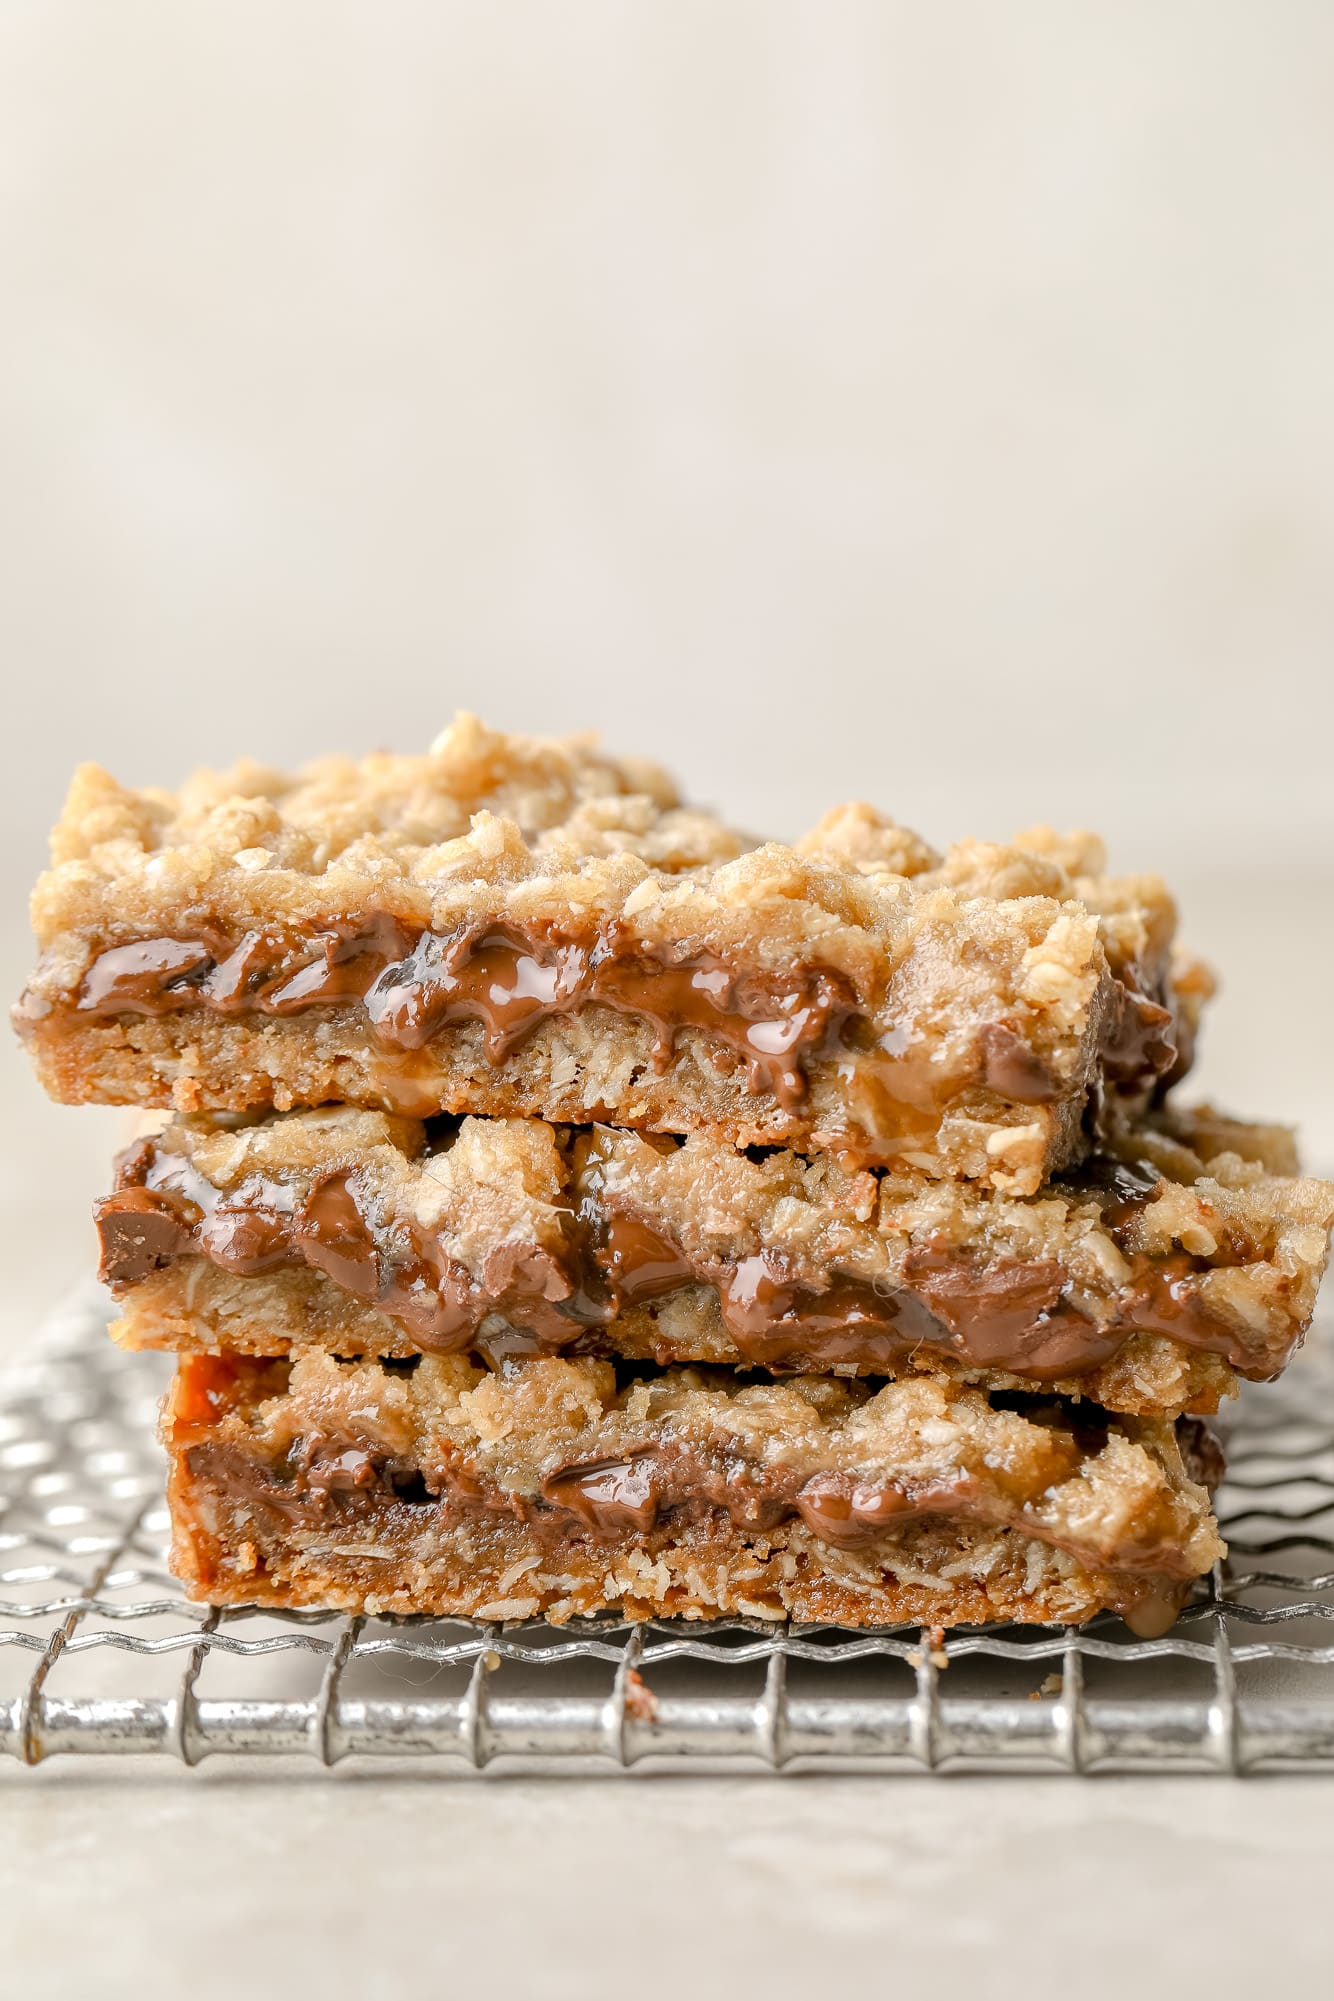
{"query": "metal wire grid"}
[(102, 1654)]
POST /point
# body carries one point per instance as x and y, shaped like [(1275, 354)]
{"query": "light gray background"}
[(928, 401)]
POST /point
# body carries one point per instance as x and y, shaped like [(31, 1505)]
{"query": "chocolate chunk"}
[(335, 1237), (248, 1237), (138, 1235), (848, 1512), (771, 1316), (336, 1466), (1013, 1069), (1165, 1297), (1129, 1184), (640, 1263), (144, 978), (236, 982), (340, 968), (498, 1344), (497, 978), (768, 1028), (1009, 1313), (610, 1495), (1139, 1039)]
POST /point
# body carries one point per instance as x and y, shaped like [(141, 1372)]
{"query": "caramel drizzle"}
[(1003, 1313)]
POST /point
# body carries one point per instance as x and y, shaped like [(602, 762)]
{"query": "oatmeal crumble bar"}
[(554, 1488), (1144, 1283), (517, 928)]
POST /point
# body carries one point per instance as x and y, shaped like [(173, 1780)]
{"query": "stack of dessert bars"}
[(567, 1202)]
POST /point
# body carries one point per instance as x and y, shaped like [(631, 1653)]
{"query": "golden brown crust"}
[(379, 813), (939, 1575), (576, 1069)]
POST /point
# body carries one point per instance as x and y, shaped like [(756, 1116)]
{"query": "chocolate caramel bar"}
[(558, 1488), (514, 928)]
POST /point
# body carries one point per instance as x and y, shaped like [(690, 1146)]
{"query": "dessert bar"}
[(567, 1202), (560, 1488), (1144, 1282), (516, 928)]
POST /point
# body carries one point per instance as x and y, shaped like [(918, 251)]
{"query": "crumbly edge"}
[(562, 834), (510, 1432), (767, 907), (574, 1069), (307, 820), (552, 842), (1217, 1199)]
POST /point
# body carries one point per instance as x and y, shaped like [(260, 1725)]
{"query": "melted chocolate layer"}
[(1140, 1038), (262, 1226), (662, 1487), (410, 985), (983, 1312)]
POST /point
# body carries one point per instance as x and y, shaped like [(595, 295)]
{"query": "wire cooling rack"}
[(100, 1653)]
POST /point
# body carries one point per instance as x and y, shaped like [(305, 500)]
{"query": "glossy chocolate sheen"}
[(410, 986), (262, 1226), (1140, 1038), (1002, 1313)]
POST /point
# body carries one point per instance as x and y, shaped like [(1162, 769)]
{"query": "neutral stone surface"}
[(135, 1887)]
